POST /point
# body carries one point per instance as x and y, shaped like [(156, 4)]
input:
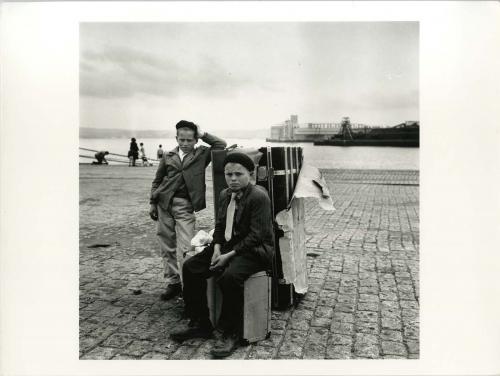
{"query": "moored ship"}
[(406, 135)]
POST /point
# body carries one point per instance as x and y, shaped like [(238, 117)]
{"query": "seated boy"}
[(243, 244)]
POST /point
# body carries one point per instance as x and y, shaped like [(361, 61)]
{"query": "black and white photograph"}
[(249, 190), (261, 187)]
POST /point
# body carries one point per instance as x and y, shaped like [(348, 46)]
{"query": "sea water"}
[(342, 157)]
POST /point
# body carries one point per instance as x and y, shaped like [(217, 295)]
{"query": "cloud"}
[(391, 99), (120, 72)]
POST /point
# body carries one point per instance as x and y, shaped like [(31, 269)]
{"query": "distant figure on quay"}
[(177, 191), (144, 159), (159, 152), (133, 153), (101, 158)]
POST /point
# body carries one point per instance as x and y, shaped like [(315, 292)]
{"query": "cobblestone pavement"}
[(363, 298)]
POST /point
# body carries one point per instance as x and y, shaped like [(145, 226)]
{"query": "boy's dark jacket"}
[(252, 226)]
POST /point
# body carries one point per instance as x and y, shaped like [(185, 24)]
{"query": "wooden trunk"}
[(278, 172), (218, 179)]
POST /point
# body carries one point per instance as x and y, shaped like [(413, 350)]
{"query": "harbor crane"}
[(346, 129)]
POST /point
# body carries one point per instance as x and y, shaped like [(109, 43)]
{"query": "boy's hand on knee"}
[(216, 254), (221, 262)]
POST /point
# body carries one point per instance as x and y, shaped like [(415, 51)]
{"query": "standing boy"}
[(177, 191)]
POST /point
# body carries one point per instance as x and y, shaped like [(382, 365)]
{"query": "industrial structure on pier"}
[(345, 133), (290, 130)]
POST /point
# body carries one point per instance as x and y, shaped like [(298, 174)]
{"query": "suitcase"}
[(256, 306)]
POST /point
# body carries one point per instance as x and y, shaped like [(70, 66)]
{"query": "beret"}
[(240, 158), (187, 124)]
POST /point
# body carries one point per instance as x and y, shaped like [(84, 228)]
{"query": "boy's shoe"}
[(225, 346), (195, 329), (171, 291)]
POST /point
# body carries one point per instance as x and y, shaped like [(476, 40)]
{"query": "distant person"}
[(177, 191), (159, 153), (144, 159), (133, 153), (101, 157)]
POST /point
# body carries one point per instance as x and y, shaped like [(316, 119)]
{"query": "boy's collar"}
[(240, 193)]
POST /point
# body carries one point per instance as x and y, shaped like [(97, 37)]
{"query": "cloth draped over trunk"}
[(292, 221)]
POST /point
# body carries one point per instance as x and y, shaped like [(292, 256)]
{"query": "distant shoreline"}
[(319, 156), (323, 169), (156, 137), (93, 133)]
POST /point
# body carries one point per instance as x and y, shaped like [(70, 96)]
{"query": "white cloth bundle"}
[(199, 242)]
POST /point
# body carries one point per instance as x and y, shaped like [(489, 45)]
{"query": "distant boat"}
[(405, 135)]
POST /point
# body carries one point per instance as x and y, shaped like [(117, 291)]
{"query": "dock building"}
[(291, 131)]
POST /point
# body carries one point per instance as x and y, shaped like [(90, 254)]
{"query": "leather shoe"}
[(196, 331), (225, 346), (171, 291)]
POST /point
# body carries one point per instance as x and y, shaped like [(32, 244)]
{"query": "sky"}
[(238, 75)]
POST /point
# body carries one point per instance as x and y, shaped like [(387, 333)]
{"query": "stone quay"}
[(362, 259)]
